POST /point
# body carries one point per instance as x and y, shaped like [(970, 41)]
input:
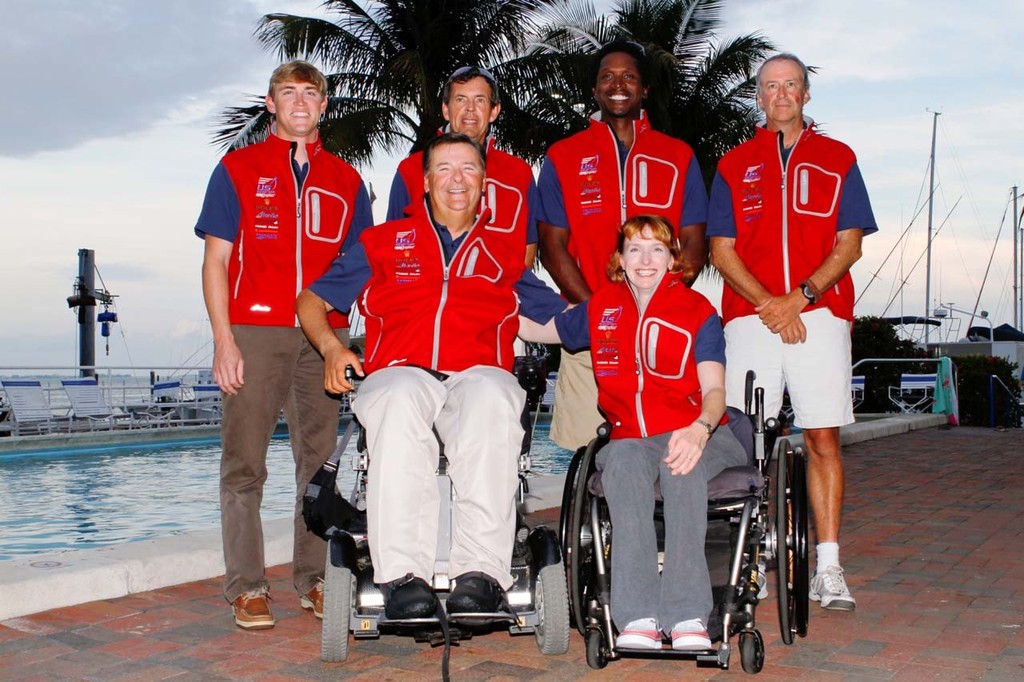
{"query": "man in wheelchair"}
[(659, 359), (440, 292)]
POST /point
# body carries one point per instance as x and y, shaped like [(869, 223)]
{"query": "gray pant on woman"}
[(630, 468)]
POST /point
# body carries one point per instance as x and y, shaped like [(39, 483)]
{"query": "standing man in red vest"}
[(788, 212), (590, 184), (471, 103), (275, 215)]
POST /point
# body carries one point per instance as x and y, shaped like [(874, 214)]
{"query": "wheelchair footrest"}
[(481, 619)]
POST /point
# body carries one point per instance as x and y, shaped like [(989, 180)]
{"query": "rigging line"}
[(120, 326), (201, 361), (918, 261), (991, 256), (875, 275), (921, 207), (963, 177)]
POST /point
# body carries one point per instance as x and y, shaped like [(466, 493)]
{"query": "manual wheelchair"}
[(536, 603), (765, 507)]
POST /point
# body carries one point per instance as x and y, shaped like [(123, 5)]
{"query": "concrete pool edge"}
[(47, 581)]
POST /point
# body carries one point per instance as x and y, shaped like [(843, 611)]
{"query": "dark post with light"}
[(84, 298)]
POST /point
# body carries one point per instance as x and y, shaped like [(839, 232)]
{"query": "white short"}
[(816, 372)]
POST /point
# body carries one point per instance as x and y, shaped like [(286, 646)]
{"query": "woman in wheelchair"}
[(659, 360)]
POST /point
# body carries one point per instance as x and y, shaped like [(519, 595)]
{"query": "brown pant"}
[(282, 371)]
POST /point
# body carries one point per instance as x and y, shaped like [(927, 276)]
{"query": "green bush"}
[(973, 372)]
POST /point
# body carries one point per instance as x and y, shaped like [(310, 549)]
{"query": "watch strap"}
[(709, 427)]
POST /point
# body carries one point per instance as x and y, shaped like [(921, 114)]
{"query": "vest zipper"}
[(446, 270), (785, 205), (639, 365), (298, 219)]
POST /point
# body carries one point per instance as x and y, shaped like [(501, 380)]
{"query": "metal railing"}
[(1012, 414)]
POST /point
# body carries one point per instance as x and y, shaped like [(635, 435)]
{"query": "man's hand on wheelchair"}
[(337, 360), (685, 447)]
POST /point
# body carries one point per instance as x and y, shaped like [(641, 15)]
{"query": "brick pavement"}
[(932, 544)]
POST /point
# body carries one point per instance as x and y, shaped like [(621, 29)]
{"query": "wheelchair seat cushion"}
[(731, 484), (735, 483)]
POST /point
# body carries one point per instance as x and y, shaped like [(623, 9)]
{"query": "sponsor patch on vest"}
[(752, 200), (266, 222), (606, 357), (266, 187), (610, 319), (407, 269), (754, 173), (590, 197), (588, 165), (405, 240)]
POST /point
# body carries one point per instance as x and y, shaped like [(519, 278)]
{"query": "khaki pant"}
[(576, 417), (477, 415), (282, 371)]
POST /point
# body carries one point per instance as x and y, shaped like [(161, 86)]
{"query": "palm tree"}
[(701, 88), (386, 61)]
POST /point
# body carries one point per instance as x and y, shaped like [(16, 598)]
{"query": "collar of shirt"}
[(449, 243)]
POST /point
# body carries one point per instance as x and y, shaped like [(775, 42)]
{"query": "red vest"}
[(597, 201), (285, 242), (506, 189), (663, 393), (786, 226), (421, 312)]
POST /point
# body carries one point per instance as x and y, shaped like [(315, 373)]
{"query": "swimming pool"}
[(53, 501)]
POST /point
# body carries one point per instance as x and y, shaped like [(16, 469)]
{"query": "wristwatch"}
[(709, 427), (808, 292)]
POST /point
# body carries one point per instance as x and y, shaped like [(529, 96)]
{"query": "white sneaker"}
[(829, 587), (690, 635), (640, 634)]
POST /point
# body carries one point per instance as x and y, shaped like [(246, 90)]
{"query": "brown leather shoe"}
[(252, 610), (314, 599)]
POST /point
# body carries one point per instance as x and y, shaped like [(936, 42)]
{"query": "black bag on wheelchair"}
[(324, 509)]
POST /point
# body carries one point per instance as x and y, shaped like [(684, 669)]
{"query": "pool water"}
[(53, 501)]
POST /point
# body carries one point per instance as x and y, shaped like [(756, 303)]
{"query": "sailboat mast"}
[(931, 202), (1015, 293)]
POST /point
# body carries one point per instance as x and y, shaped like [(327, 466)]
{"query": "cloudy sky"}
[(105, 144)]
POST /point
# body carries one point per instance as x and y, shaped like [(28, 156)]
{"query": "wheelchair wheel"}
[(339, 585), (596, 658), (800, 573), (791, 526), (571, 474), (579, 550), (783, 555), (552, 604), (751, 651)]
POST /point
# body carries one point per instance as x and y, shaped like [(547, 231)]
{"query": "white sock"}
[(828, 555)]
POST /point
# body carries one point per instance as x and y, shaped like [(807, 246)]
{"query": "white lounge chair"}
[(206, 403), (916, 393), (165, 407), (90, 406), (30, 411), (857, 390)]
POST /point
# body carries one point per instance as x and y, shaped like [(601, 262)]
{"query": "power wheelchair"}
[(765, 507), (536, 603)]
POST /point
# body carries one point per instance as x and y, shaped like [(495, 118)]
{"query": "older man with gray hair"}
[(787, 213)]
